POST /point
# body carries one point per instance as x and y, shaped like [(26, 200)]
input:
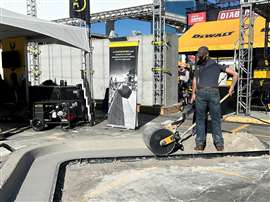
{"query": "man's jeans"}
[(210, 97)]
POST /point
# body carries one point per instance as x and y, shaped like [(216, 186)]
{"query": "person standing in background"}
[(183, 79)]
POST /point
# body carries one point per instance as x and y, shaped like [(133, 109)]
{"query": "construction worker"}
[(183, 79), (205, 93), (183, 72)]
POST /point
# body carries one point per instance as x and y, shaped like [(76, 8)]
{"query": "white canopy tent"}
[(13, 25), (17, 25)]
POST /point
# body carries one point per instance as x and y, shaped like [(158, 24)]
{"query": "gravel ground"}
[(233, 142)]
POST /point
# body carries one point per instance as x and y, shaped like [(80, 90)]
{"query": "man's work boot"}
[(199, 148), (204, 144), (219, 148)]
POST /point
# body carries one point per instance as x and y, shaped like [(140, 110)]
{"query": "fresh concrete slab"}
[(222, 179)]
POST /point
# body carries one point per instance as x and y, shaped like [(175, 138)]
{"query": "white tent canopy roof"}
[(17, 25)]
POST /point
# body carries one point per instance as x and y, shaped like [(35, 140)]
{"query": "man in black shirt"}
[(205, 93)]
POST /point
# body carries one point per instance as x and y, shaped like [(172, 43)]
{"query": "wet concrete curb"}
[(31, 174)]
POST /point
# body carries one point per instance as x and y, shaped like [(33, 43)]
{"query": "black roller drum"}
[(152, 136), (125, 91)]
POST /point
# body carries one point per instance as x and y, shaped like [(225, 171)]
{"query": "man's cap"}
[(203, 51)]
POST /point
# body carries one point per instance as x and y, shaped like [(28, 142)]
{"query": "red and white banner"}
[(230, 14), (196, 17)]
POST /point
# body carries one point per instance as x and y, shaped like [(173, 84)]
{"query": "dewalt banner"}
[(219, 35), (79, 9)]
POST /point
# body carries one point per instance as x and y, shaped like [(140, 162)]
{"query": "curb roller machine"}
[(165, 139)]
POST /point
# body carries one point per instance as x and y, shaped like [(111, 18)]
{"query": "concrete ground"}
[(235, 179), (21, 135)]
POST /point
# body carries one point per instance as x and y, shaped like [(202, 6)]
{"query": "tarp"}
[(17, 25), (219, 35)]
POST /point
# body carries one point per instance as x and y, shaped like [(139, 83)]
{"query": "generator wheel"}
[(152, 136), (38, 124)]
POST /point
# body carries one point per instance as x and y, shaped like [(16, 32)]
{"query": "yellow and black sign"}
[(219, 35), (14, 45), (213, 35), (261, 74), (80, 9)]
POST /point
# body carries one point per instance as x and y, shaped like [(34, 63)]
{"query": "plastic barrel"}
[(152, 135)]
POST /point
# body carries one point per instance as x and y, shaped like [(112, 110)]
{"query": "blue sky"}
[(55, 9)]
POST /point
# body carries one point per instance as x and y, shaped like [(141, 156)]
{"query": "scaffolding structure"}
[(156, 14), (143, 12), (245, 59), (248, 11), (160, 18), (159, 42), (33, 49), (31, 7), (71, 21)]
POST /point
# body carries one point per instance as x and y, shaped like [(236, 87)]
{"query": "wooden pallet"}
[(157, 110), (171, 109)]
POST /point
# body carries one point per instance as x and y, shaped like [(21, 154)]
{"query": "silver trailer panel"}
[(59, 62), (144, 71)]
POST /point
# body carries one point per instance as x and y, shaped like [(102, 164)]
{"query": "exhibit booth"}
[(222, 39)]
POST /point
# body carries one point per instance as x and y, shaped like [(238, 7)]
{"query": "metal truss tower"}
[(143, 12), (31, 6), (159, 17), (245, 58), (159, 43), (247, 19), (33, 49)]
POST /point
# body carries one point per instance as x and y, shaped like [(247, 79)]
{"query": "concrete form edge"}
[(19, 165), (246, 120)]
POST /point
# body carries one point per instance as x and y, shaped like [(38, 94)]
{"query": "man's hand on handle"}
[(194, 86), (232, 72), (231, 91), (193, 98)]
